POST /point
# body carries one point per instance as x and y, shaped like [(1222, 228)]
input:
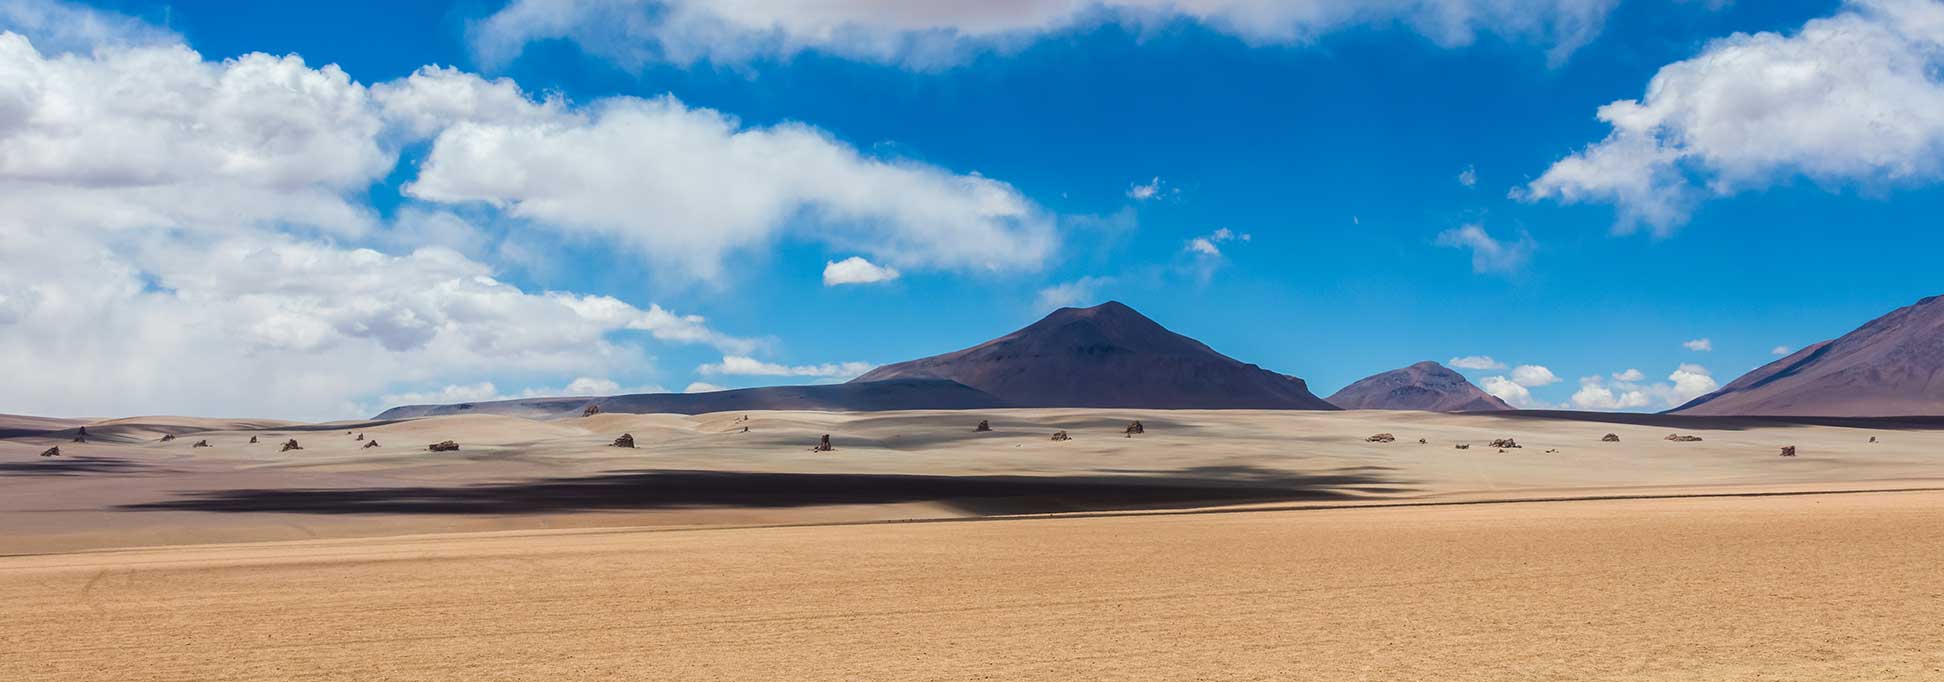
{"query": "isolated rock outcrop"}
[(1788, 451), (1610, 438), (1061, 435), (253, 439), (1678, 438), (52, 452), (81, 435), (1381, 438), (201, 444), (1505, 444), (168, 437), (1135, 428), (443, 446), (591, 410), (371, 444), (983, 426), (625, 441), (823, 445), (291, 445)]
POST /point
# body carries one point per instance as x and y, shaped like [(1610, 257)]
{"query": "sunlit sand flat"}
[(1818, 587)]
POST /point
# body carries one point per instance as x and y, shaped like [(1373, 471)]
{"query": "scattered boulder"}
[(745, 429), (52, 452), (823, 445), (591, 410), (1505, 444), (983, 426), (201, 443), (1135, 428), (360, 437), (81, 435), (1678, 438), (1381, 438), (1788, 451), (253, 439), (371, 444), (1552, 451), (1462, 446), (291, 445), (1422, 441), (443, 446), (168, 437), (625, 441), (1610, 438), (1873, 439), (1061, 435)]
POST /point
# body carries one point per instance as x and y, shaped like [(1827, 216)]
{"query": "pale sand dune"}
[(126, 488), (1828, 587)]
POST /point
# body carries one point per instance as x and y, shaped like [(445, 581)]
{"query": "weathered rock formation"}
[(1381, 438), (1061, 435), (983, 426), (1788, 451), (291, 445), (371, 444), (823, 445), (625, 441), (443, 446), (52, 452), (1610, 438), (201, 444), (1504, 444), (1678, 438)]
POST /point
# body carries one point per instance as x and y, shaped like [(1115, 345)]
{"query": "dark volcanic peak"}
[(1107, 356), (1892, 366), (1425, 386)]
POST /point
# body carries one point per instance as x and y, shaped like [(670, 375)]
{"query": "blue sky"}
[(1393, 172)]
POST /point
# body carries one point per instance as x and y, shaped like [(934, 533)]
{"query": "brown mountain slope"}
[(1426, 386), (1107, 356), (1891, 366)]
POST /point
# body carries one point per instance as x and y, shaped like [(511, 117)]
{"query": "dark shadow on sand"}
[(669, 489), (71, 465)]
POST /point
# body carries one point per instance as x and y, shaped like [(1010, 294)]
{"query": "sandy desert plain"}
[(1219, 544)]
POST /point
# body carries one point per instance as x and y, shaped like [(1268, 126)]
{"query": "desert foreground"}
[(1217, 545)]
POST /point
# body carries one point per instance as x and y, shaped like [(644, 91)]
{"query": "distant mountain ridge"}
[(889, 395), (1427, 386), (1892, 366), (1107, 356)]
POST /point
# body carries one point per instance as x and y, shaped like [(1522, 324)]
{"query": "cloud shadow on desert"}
[(678, 489)]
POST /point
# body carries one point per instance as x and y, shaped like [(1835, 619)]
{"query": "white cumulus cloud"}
[(1701, 345), (1510, 391), (856, 270), (1534, 376), (1076, 292), (1850, 99), (1489, 255), (929, 34), (737, 365), (688, 188), (1476, 362)]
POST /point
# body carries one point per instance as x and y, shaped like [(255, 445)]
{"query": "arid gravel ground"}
[(1218, 545), (1816, 587)]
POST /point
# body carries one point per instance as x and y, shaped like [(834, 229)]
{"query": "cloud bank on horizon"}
[(328, 246)]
